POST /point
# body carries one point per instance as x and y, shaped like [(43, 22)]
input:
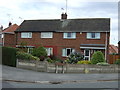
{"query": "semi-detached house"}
[(63, 36)]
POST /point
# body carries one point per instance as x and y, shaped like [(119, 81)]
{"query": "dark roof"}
[(66, 25)]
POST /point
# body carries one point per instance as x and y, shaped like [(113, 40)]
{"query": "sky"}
[(17, 11)]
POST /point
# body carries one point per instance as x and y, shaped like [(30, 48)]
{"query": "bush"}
[(117, 61), (74, 58), (103, 64), (97, 57), (9, 56), (84, 62), (26, 56), (40, 52), (49, 60)]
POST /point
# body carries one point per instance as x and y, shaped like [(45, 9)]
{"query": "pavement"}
[(15, 75)]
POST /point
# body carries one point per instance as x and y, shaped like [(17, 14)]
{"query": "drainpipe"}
[(106, 44)]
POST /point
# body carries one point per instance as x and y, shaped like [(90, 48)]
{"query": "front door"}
[(87, 54)]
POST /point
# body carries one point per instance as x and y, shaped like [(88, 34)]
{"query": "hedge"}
[(9, 56)]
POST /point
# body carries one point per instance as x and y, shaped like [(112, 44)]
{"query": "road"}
[(20, 78)]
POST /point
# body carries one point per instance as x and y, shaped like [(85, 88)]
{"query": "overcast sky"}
[(18, 10)]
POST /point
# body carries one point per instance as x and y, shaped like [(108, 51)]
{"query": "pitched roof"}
[(66, 25), (12, 28), (113, 49)]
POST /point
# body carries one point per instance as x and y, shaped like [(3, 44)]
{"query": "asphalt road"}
[(19, 78)]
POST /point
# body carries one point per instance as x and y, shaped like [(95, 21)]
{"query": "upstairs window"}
[(93, 35), (46, 35), (49, 51), (26, 35), (69, 35), (67, 51)]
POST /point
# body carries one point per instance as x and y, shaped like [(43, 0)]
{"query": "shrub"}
[(97, 57), (103, 64), (117, 61), (26, 56), (9, 56), (40, 52), (84, 62), (49, 60), (74, 58)]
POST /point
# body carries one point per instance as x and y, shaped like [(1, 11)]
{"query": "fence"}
[(68, 68), (113, 58)]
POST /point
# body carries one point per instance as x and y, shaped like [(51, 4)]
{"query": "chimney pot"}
[(63, 16)]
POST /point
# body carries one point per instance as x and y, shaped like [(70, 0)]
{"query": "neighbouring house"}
[(113, 53), (113, 49), (8, 36), (63, 36), (1, 28)]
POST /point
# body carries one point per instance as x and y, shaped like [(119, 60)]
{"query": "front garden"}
[(38, 60)]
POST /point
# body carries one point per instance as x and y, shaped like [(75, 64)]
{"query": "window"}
[(49, 51), (67, 51), (30, 50), (26, 35), (93, 35), (69, 35), (46, 35)]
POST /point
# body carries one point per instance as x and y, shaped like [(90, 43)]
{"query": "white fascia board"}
[(92, 47)]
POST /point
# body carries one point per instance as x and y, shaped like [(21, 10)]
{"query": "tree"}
[(97, 57), (40, 52)]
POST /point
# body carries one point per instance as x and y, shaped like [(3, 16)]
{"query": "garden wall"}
[(68, 68)]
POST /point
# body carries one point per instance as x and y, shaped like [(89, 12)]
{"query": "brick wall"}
[(9, 40), (58, 42)]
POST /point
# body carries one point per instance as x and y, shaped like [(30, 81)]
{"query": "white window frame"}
[(64, 51), (46, 34), (97, 35), (26, 35), (66, 36), (49, 51)]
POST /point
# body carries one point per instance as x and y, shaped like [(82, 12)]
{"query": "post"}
[(46, 66)]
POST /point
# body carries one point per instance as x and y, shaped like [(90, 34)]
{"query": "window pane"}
[(88, 35), (93, 35), (63, 52), (97, 35), (68, 52), (69, 35), (49, 51)]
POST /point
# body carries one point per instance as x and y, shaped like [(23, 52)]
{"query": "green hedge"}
[(9, 56)]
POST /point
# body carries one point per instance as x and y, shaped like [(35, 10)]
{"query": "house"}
[(1, 28), (63, 36), (113, 49), (8, 35)]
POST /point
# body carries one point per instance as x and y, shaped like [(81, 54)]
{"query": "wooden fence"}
[(113, 58), (68, 68)]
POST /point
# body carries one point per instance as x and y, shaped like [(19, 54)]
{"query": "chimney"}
[(1, 28), (63, 16), (9, 24)]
